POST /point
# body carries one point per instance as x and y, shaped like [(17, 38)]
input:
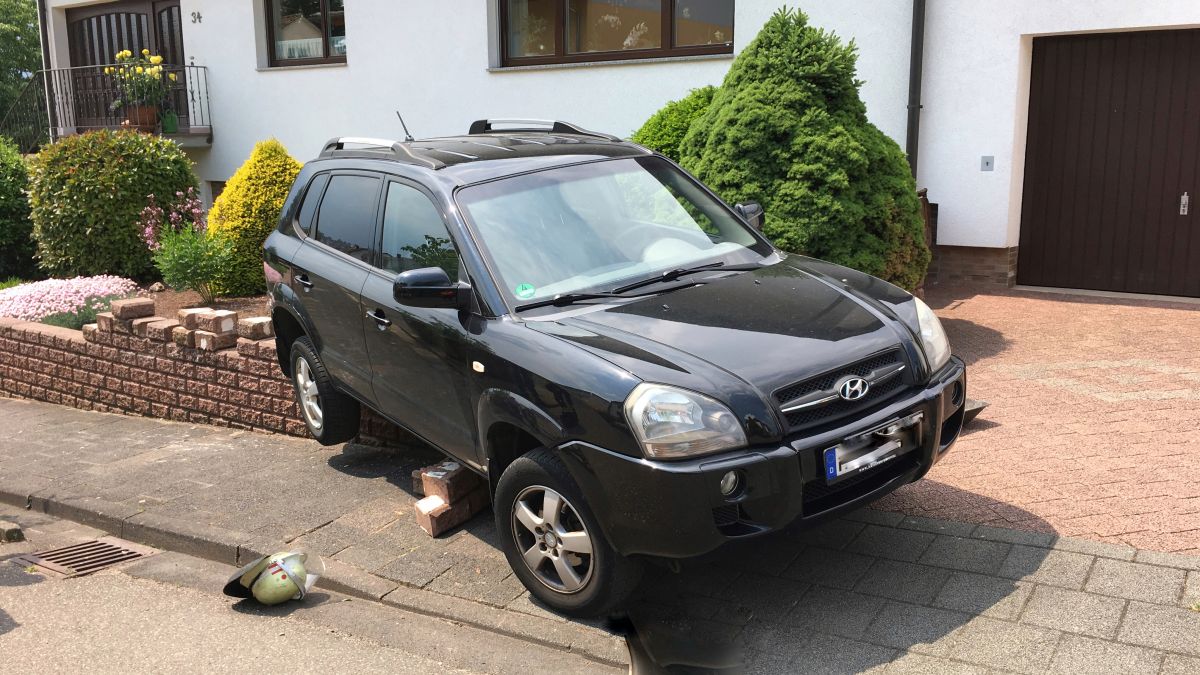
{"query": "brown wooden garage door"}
[(1113, 144)]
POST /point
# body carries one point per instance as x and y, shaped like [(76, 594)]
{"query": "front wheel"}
[(553, 542)]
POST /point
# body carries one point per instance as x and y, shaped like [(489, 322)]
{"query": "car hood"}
[(769, 328)]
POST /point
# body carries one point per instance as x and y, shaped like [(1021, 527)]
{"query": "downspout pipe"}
[(42, 21), (915, 62)]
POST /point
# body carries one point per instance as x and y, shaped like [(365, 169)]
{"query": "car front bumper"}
[(676, 509)]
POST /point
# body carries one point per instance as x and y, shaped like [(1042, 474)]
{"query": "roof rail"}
[(549, 126), (401, 151)]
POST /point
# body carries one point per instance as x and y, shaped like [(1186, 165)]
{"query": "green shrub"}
[(248, 210), (189, 259), (787, 129), (86, 314), (664, 131), (17, 247), (86, 192), (186, 257)]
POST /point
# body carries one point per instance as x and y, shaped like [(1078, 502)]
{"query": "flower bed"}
[(59, 301)]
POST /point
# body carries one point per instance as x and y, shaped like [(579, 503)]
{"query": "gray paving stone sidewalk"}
[(873, 592)]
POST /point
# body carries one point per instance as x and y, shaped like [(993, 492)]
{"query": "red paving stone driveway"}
[(1093, 425)]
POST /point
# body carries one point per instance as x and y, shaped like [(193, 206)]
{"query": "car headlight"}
[(673, 423), (933, 337)]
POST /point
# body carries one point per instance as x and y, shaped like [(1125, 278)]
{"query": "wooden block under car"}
[(449, 480)]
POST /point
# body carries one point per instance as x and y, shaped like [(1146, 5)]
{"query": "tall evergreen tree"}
[(788, 129), (20, 49)]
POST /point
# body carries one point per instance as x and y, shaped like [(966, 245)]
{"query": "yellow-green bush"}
[(248, 210)]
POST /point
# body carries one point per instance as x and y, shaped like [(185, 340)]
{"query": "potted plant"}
[(141, 85)]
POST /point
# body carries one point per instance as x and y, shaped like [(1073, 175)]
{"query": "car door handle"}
[(380, 320), (303, 281)]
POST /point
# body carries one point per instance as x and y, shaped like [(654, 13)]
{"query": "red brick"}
[(161, 331), (218, 321), (256, 328), (105, 321), (189, 318), (449, 480), (183, 337), (133, 308)]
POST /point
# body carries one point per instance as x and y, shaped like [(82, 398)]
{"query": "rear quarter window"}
[(346, 216), (312, 198)]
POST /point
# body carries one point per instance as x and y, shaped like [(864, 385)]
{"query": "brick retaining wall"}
[(121, 372)]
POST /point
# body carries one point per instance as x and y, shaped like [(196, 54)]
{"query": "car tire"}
[(556, 569), (331, 416)]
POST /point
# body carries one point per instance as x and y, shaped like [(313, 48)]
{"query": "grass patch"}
[(10, 282), (84, 315)]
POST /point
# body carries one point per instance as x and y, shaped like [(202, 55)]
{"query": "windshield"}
[(595, 226)]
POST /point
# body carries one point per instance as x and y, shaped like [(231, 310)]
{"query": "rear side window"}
[(414, 235), (346, 218), (312, 197)]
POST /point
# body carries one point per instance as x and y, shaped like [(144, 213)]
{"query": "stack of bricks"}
[(451, 495), (131, 362)]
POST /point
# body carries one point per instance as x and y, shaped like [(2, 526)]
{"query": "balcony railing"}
[(63, 101)]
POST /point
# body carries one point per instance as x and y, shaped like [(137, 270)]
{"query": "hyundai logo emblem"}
[(853, 388)]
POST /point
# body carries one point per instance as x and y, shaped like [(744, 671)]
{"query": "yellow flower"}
[(156, 59), (172, 76), (140, 70), (145, 52), (108, 70)]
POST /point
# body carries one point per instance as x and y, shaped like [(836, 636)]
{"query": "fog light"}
[(731, 482)]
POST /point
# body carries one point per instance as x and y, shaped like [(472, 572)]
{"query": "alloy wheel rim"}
[(310, 400), (552, 539)]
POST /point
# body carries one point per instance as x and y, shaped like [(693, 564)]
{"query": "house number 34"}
[(196, 17)]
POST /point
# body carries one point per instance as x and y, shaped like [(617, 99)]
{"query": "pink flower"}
[(35, 301)]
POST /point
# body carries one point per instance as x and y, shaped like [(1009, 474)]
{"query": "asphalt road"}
[(111, 622), (166, 614)]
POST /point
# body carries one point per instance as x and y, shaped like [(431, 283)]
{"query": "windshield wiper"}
[(567, 299), (671, 275), (572, 298)]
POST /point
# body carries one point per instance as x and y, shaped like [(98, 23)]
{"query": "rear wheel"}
[(553, 542), (331, 416)]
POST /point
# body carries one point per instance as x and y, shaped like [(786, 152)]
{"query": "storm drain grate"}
[(86, 557)]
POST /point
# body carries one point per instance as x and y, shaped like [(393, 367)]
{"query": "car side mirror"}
[(430, 287), (753, 213)]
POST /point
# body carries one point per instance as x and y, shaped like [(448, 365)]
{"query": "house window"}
[(303, 32), (570, 31)]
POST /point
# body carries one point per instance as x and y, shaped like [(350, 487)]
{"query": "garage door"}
[(1113, 146)]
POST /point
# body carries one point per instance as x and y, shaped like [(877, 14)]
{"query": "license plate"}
[(871, 449)]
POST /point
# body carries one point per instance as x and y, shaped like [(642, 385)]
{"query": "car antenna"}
[(408, 138)]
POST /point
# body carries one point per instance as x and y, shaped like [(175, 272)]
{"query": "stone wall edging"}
[(240, 387)]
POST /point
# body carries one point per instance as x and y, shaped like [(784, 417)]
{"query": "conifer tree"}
[(788, 129)]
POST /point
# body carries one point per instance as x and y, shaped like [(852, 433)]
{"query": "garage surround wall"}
[(975, 99), (123, 373)]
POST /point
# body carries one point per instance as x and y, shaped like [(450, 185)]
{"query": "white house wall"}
[(976, 95), (430, 59)]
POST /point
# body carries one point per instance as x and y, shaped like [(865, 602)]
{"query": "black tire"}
[(339, 413), (611, 577)]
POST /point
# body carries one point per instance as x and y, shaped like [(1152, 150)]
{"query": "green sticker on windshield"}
[(525, 291)]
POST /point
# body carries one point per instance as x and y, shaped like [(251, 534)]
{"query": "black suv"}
[(635, 369)]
